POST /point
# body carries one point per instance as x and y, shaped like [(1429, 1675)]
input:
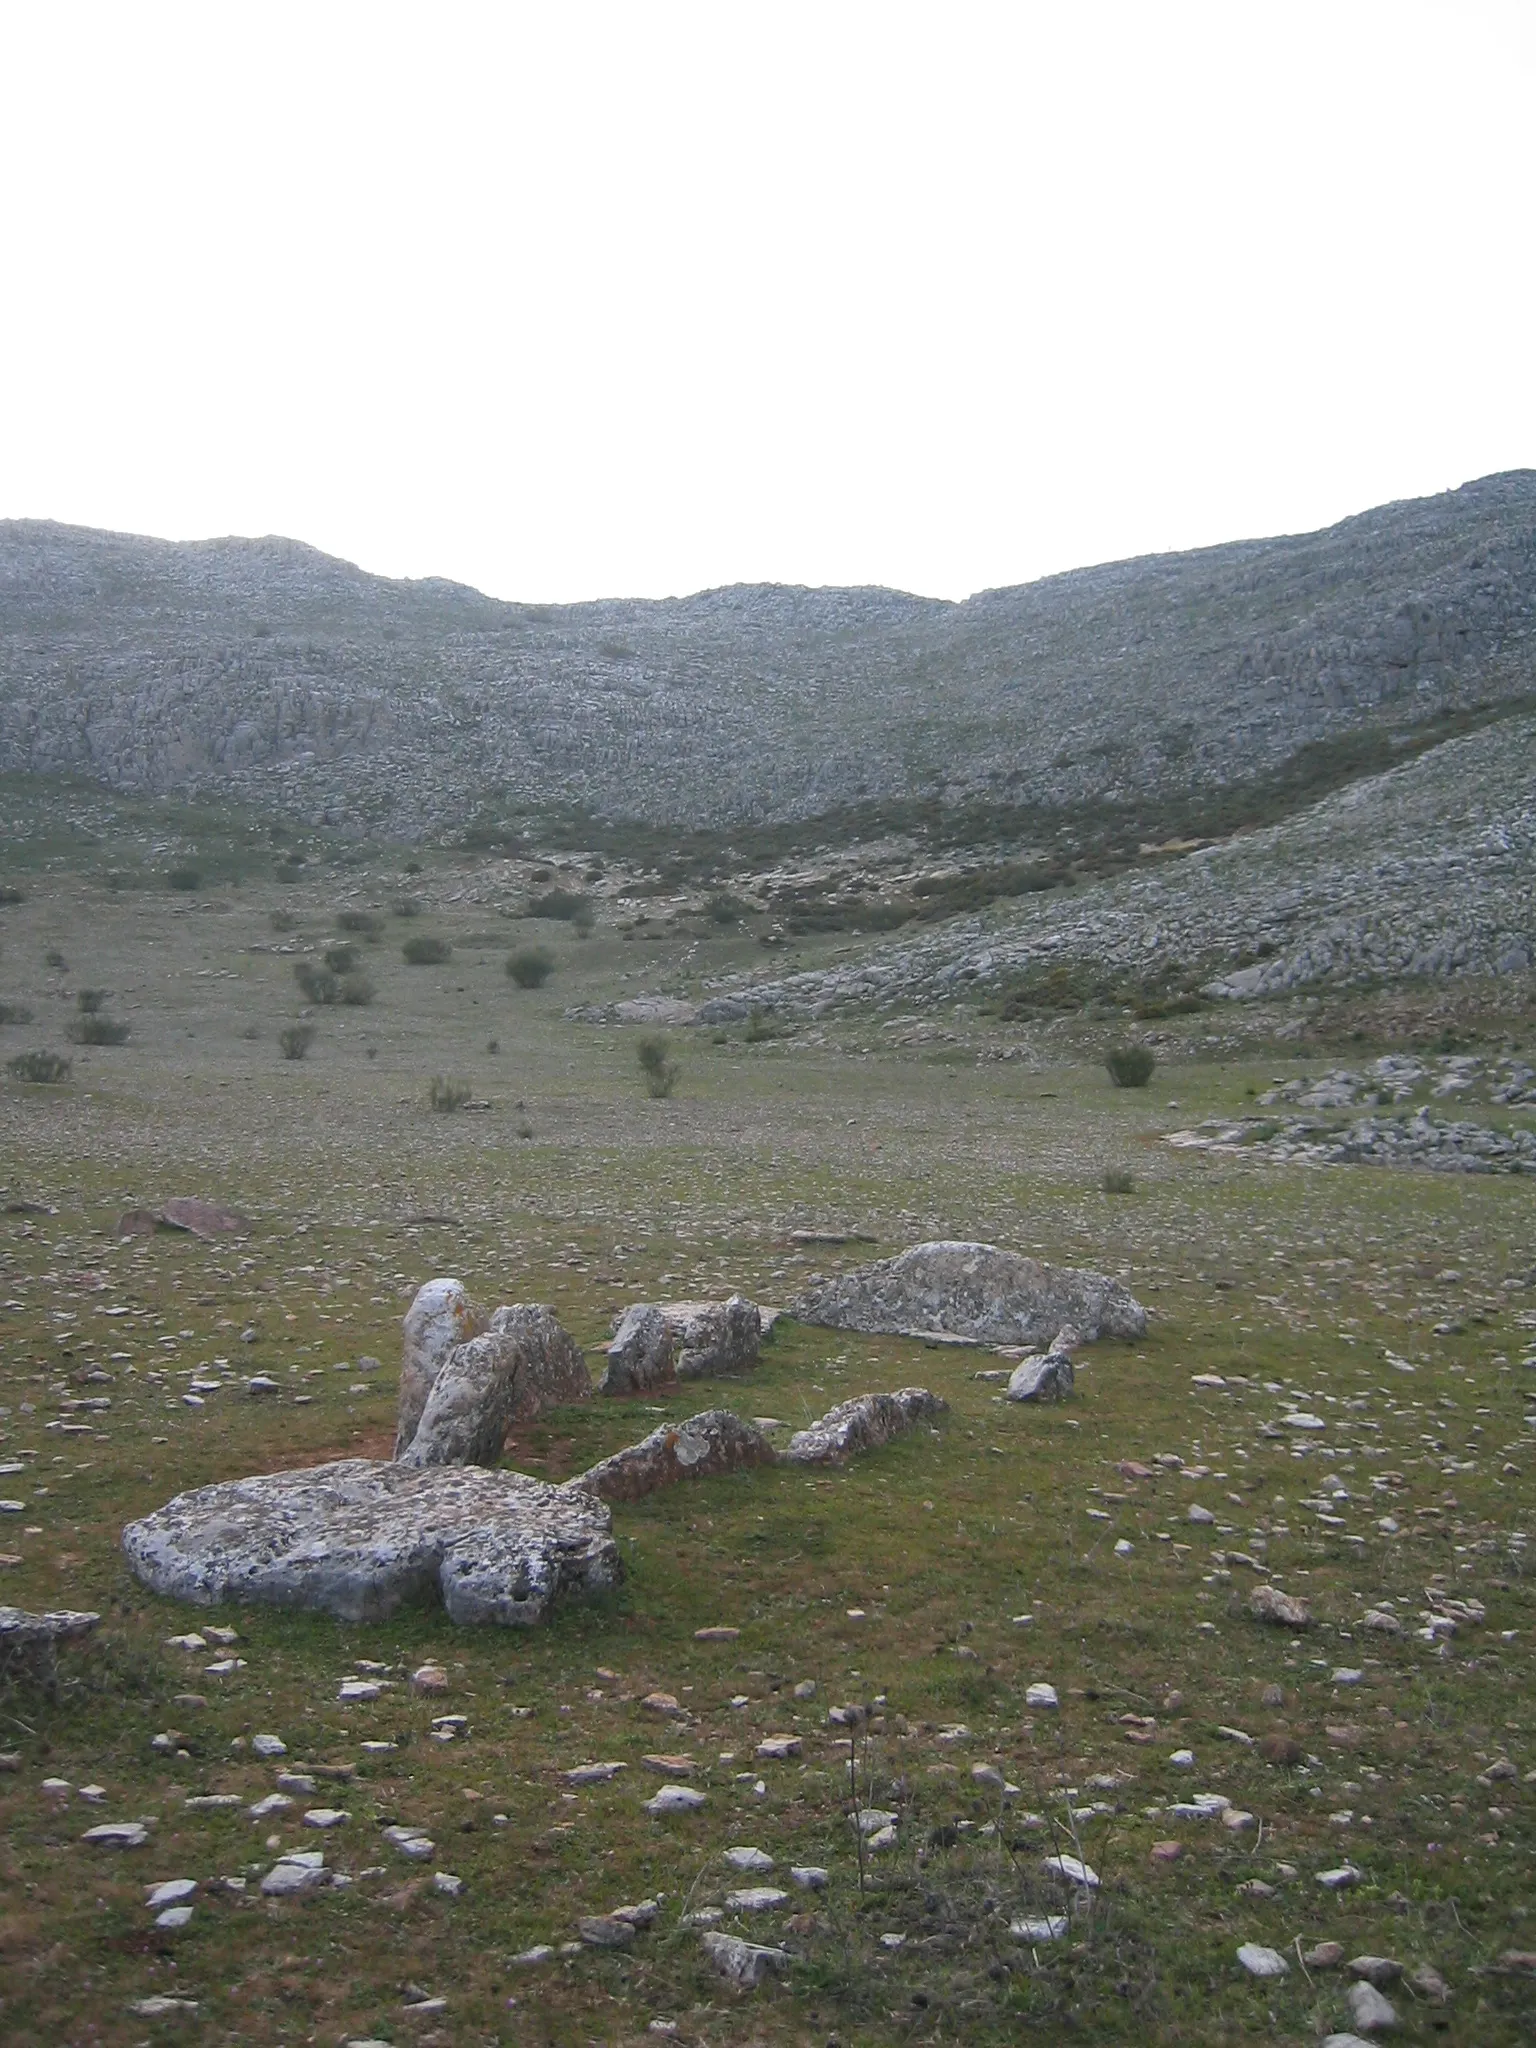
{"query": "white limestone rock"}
[(862, 1424), (704, 1446), (973, 1290), (440, 1318), (359, 1539)]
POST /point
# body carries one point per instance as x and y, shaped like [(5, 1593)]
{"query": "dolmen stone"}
[(440, 1319), (656, 1342), (1046, 1375), (360, 1538), (29, 1643), (524, 1363), (973, 1290), (863, 1424), (703, 1447)]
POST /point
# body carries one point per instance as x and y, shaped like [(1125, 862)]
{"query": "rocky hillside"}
[(268, 670), (1425, 873)]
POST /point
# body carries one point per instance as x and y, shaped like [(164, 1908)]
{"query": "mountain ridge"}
[(270, 671)]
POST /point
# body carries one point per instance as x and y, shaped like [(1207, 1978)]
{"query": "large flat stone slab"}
[(359, 1539), (973, 1290)]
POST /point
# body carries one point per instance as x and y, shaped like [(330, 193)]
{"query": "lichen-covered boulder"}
[(554, 1367), (701, 1448), (863, 1424), (1047, 1375), (973, 1290), (710, 1337), (361, 1538), (523, 1364), (441, 1317), (642, 1354)]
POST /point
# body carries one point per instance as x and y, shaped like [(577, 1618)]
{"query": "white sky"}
[(576, 300)]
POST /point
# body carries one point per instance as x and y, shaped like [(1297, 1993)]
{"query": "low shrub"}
[(531, 966), (1130, 1066), (15, 1013), (89, 1001), (446, 1095), (10, 894), (318, 983), (658, 1070), (342, 958), (40, 1066), (54, 958), (566, 905), (294, 1040), (1118, 1182), (184, 878), (760, 1028), (98, 1030), (407, 906), (356, 990), (426, 949), (366, 923), (283, 921)]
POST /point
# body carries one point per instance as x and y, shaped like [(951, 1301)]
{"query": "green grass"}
[(1300, 1280)]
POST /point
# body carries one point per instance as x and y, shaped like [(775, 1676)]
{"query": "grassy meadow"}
[(930, 1583)]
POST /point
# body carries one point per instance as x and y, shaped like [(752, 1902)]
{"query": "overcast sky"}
[(575, 300)]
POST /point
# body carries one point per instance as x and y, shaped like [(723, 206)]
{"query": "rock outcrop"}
[(359, 1539), (523, 1364), (440, 1318), (977, 1291), (641, 1355), (863, 1424), (1046, 1375), (657, 1342), (703, 1447)]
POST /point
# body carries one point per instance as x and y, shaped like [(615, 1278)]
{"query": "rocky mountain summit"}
[(266, 670)]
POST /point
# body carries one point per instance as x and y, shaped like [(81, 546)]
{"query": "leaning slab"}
[(656, 1342), (863, 1424), (523, 1364), (977, 1291), (441, 1317), (703, 1447), (359, 1539), (1045, 1376), (642, 1355)]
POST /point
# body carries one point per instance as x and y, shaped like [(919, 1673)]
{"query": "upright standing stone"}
[(441, 1316)]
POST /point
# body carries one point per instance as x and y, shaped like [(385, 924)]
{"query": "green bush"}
[(291, 870), (54, 958), (283, 921), (183, 878), (425, 949), (723, 908), (342, 958), (407, 906), (10, 894), (294, 1040), (95, 1030), (40, 1066), (1118, 1182), (89, 1001), (566, 905), (356, 990), (659, 1072), (1130, 1066), (446, 1095), (365, 923), (760, 1028), (531, 966), (318, 983), (15, 1013)]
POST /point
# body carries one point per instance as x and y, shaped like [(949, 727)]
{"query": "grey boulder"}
[(703, 1447), (977, 1291), (440, 1318), (524, 1363), (642, 1354), (1047, 1375), (359, 1539), (863, 1424)]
